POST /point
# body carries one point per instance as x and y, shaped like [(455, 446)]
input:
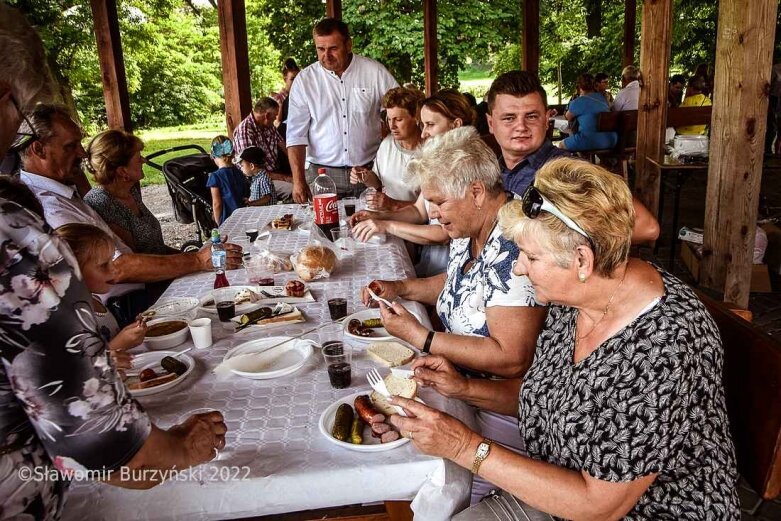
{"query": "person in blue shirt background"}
[(228, 186), (586, 109)]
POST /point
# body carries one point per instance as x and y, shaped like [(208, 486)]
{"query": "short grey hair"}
[(42, 119), (452, 161), (631, 73), (23, 61)]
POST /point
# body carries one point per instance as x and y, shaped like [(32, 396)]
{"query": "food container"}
[(182, 307), (169, 340)]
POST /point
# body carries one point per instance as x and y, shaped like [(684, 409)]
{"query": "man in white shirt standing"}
[(333, 117), (628, 97)]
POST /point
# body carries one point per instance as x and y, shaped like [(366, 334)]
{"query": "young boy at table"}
[(228, 187), (262, 190)]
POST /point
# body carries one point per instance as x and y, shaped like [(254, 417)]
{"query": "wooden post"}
[(235, 61), (333, 9), (630, 20), (430, 45), (112, 64), (530, 48), (655, 39), (744, 53)]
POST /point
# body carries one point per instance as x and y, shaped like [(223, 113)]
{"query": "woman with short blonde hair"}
[(115, 162), (622, 410)]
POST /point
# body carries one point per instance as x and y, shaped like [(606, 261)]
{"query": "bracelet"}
[(427, 343)]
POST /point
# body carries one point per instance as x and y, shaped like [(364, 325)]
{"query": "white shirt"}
[(628, 98), (390, 166), (63, 205), (338, 118)]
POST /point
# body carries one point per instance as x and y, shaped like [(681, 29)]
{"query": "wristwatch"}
[(482, 452)]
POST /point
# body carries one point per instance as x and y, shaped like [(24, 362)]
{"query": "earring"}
[(582, 277)]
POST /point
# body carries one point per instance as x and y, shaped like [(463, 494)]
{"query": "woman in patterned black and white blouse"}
[(623, 409)]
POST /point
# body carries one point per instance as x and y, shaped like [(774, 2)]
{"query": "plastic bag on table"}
[(275, 262), (317, 260)]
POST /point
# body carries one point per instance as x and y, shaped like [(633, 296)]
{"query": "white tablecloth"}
[(276, 459)]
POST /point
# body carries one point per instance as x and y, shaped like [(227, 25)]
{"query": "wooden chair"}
[(752, 383)]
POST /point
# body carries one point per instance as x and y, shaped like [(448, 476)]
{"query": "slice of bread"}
[(404, 387), (391, 354)]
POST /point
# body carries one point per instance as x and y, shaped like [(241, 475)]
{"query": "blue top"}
[(586, 109), (233, 189), (516, 180)]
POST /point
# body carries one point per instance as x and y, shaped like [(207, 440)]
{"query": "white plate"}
[(240, 309), (279, 295), (380, 333), (283, 360), (370, 443), (152, 360)]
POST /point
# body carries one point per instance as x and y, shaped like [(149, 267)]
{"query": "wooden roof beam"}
[(333, 9), (430, 45), (744, 53), (530, 38), (235, 61), (630, 20), (655, 38), (112, 64)]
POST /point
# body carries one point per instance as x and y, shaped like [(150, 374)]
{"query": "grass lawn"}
[(164, 138)]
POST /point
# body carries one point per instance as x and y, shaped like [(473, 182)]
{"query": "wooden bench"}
[(752, 383)]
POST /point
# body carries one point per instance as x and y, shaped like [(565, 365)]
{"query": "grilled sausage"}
[(366, 411), (389, 437), (356, 327)]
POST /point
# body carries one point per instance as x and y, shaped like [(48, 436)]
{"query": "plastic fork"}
[(377, 298), (377, 383)]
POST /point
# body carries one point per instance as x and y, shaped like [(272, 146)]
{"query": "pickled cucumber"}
[(254, 316), (372, 322), (343, 422), (356, 432), (172, 365)]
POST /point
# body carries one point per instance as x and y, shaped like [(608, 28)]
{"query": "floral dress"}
[(649, 400), (490, 282), (62, 407)]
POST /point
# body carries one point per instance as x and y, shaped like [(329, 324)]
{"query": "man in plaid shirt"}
[(257, 130)]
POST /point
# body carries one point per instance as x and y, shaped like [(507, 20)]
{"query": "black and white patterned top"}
[(145, 228), (648, 400)]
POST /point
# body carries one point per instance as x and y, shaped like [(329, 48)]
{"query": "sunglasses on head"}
[(534, 202), (23, 139)]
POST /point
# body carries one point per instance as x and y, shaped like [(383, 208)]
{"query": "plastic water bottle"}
[(324, 203), (218, 260)]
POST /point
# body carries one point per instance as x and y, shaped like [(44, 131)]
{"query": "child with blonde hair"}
[(94, 251), (228, 186)]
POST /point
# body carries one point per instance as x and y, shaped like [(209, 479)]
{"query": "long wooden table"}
[(276, 460)]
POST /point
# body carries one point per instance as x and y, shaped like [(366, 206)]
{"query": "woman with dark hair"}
[(290, 70), (585, 109)]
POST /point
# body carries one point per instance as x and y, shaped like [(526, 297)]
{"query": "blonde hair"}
[(85, 240), (110, 150), (452, 161), (598, 201)]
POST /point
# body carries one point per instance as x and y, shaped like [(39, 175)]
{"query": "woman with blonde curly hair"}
[(115, 161), (622, 410)]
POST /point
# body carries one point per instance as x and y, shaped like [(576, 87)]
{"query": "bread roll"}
[(315, 262)]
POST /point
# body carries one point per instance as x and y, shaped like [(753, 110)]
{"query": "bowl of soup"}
[(165, 333)]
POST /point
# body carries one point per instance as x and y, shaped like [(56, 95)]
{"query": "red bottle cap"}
[(321, 171)]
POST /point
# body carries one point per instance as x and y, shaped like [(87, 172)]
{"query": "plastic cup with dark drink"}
[(337, 307), (338, 357), (226, 305), (252, 234), (349, 205)]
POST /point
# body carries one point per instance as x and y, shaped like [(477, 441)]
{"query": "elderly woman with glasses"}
[(623, 409)]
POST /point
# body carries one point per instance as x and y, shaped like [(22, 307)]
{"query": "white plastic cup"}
[(201, 331)]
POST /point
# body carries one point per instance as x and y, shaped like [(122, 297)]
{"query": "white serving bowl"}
[(176, 307), (170, 340)]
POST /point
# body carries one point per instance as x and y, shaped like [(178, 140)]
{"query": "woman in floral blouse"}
[(623, 409)]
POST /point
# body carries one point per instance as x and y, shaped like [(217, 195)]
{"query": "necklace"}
[(604, 312), (474, 256)]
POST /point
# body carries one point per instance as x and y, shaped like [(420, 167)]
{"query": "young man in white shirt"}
[(333, 117)]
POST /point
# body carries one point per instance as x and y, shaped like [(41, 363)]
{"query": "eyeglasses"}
[(534, 202), (23, 139)]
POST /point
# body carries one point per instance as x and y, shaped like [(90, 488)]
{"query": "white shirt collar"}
[(40, 183)]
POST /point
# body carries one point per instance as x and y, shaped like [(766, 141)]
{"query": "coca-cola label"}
[(326, 209)]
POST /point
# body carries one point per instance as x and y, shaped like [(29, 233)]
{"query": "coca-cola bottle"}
[(324, 203)]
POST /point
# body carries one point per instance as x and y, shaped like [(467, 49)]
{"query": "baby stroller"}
[(186, 178)]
